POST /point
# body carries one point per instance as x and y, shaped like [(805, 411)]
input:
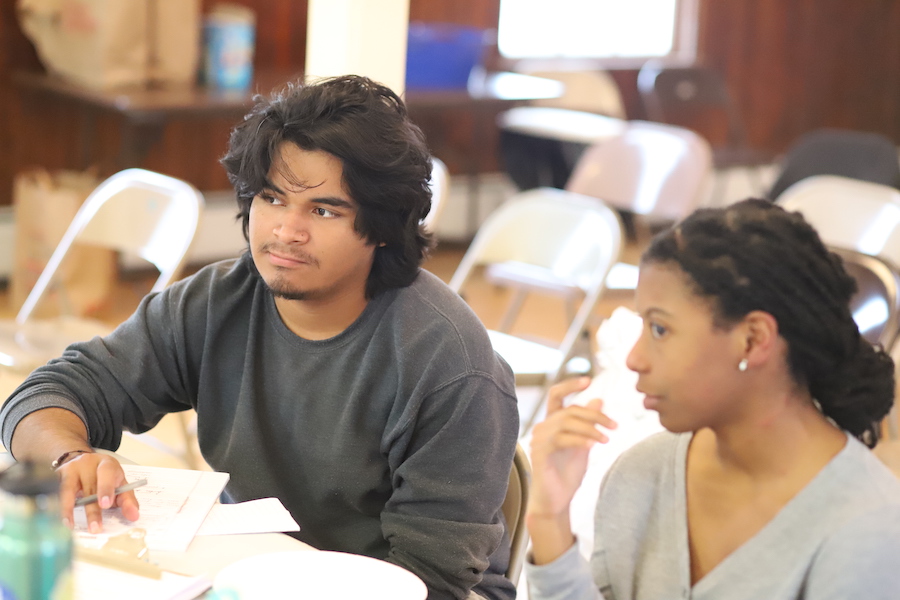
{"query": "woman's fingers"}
[(559, 391), (602, 418), (572, 427)]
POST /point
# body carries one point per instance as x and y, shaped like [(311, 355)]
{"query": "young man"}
[(327, 369)]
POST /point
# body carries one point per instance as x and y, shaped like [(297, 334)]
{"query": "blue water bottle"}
[(35, 546)]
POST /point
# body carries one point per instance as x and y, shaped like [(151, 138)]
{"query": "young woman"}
[(761, 487)]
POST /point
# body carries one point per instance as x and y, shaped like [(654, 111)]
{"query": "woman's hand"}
[(94, 473), (560, 447)]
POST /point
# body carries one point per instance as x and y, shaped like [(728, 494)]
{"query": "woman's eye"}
[(657, 330)]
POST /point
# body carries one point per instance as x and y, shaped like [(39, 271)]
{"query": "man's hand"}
[(47, 434), (99, 474)]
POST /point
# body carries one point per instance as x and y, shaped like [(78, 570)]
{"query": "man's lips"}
[(289, 259)]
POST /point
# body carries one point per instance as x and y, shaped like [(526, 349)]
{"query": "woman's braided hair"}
[(754, 255)]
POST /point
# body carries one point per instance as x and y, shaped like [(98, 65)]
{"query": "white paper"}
[(173, 505), (266, 515), (93, 582)]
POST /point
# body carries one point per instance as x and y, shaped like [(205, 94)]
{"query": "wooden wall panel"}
[(793, 65), (477, 13), (39, 132), (797, 65)]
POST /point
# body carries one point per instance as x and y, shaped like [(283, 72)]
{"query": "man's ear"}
[(759, 336)]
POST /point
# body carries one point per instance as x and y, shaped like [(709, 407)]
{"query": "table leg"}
[(87, 125)]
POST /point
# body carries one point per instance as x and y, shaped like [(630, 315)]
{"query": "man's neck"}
[(320, 319)]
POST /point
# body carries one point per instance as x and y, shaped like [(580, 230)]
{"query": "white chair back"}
[(649, 169), (574, 237), (136, 212), (849, 213), (440, 189), (547, 241), (861, 221)]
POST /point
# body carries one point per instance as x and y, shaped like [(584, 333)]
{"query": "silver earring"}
[(742, 366)]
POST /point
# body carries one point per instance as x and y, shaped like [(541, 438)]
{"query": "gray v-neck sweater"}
[(839, 538)]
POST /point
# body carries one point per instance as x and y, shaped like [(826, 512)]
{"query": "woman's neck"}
[(788, 436)]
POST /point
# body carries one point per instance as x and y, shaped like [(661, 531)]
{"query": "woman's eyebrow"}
[(653, 310)]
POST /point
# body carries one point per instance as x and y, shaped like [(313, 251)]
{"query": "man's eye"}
[(324, 212), (657, 331), (268, 198)]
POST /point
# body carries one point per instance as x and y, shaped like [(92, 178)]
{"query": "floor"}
[(165, 444)]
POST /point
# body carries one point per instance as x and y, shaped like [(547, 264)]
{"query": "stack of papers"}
[(174, 504)]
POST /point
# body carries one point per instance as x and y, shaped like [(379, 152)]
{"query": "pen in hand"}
[(124, 488)]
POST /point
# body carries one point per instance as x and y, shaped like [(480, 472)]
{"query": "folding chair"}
[(565, 243), (860, 221), (135, 212), (542, 141), (440, 189), (855, 154), (651, 170), (697, 98), (514, 507)]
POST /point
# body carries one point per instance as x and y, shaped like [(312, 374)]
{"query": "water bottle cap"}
[(29, 479)]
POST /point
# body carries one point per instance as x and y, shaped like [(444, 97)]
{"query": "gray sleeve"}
[(567, 578), (862, 560), (13, 412), (449, 478), (127, 380)]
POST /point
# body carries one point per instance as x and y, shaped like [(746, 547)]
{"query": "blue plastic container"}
[(229, 53), (441, 55)]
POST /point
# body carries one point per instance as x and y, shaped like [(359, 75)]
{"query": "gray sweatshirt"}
[(393, 439), (838, 539)]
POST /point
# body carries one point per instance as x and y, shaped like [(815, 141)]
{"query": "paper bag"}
[(106, 44), (44, 205), (174, 41)]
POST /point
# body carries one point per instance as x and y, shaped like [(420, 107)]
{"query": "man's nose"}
[(292, 227)]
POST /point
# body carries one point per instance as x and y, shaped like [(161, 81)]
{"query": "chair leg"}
[(509, 317), (188, 422), (892, 424), (720, 186)]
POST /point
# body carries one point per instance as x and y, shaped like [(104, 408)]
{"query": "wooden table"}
[(144, 112)]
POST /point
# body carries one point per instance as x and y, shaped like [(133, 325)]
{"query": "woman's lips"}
[(651, 402)]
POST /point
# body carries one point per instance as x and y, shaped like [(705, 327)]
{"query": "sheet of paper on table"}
[(174, 504), (93, 582), (266, 515)]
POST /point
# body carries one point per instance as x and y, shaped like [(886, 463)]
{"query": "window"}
[(603, 29)]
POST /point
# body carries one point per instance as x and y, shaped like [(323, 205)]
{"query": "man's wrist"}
[(67, 456)]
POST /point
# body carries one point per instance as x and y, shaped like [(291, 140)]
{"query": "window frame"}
[(684, 49)]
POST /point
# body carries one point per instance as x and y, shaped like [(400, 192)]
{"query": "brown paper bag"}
[(174, 41), (105, 44), (95, 43), (44, 205)]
